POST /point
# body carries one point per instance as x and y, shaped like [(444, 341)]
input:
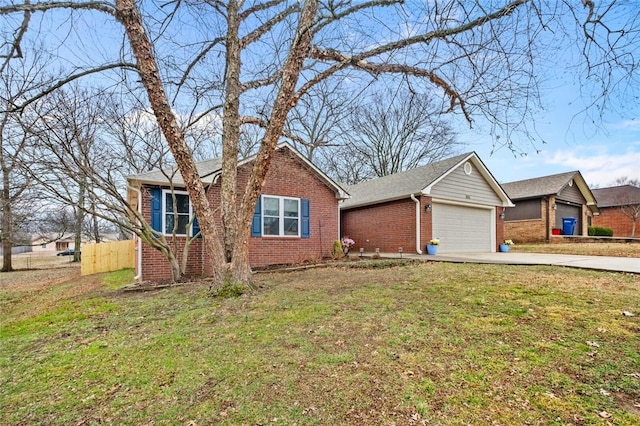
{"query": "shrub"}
[(599, 231), (336, 250)]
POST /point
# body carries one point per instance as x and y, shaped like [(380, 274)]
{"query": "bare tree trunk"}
[(127, 13), (7, 225), (231, 131), (240, 269), (77, 245)]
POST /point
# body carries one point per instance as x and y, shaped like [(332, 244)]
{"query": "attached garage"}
[(463, 228), (455, 200)]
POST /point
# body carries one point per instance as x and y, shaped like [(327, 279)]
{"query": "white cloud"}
[(597, 164)]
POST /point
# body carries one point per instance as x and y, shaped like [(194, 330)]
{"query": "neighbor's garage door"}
[(462, 229)]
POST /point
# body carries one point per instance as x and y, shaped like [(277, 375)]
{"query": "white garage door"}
[(462, 229)]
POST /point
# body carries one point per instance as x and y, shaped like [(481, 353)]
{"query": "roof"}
[(538, 187), (549, 185), (210, 171), (616, 196), (207, 170), (416, 181)]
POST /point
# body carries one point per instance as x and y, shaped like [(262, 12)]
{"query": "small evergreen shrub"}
[(599, 231), (336, 250)]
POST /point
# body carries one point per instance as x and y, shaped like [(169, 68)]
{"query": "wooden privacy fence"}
[(105, 257)]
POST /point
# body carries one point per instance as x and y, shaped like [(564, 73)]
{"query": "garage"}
[(463, 228), (568, 210)]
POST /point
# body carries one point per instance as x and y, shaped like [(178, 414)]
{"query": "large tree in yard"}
[(249, 62)]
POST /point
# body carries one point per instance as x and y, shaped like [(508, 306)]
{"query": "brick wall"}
[(387, 226), (287, 176), (614, 218)]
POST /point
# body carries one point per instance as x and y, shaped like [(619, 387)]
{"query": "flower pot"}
[(504, 248), (431, 249)]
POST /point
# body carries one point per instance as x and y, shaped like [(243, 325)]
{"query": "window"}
[(179, 210), (280, 216)]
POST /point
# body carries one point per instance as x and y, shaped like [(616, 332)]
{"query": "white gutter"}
[(418, 211), (139, 248)]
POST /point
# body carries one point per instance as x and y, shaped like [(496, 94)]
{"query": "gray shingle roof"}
[(538, 187), (209, 169), (399, 185), (617, 195), (206, 169)]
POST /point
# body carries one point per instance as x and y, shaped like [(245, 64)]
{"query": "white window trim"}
[(281, 217), (168, 192)]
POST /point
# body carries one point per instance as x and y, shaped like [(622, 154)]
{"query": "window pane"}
[(290, 208), (168, 202), (182, 201), (271, 226), (168, 224), (271, 206), (290, 226), (183, 220)]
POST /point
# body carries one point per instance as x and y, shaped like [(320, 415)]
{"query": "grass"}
[(430, 343), (585, 249)]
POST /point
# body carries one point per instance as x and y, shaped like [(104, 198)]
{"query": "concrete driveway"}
[(603, 263)]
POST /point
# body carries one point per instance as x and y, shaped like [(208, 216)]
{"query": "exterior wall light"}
[(427, 208), (502, 215)]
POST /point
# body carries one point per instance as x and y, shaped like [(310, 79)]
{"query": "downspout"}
[(139, 248), (418, 211)]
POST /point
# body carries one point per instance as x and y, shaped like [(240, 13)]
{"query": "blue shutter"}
[(256, 224), (156, 209), (304, 215), (195, 228)]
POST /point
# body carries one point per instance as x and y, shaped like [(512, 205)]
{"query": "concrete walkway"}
[(602, 263)]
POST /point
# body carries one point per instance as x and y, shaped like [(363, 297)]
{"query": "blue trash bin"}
[(568, 225)]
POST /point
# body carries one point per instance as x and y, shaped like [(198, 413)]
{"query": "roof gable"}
[(210, 171), (418, 181)]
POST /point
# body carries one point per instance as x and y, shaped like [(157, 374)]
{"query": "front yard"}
[(427, 343)]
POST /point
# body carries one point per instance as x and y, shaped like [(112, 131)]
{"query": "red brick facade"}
[(614, 218), (387, 226), (541, 229), (289, 177)]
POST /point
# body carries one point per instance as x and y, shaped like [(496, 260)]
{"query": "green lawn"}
[(430, 343)]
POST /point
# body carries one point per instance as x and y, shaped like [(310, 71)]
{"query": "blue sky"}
[(602, 150)]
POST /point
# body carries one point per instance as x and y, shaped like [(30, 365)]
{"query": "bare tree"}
[(482, 58), (83, 157), (396, 131), (20, 79), (319, 119)]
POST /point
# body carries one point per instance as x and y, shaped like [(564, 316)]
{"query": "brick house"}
[(456, 200), (619, 209), (296, 217), (541, 204)]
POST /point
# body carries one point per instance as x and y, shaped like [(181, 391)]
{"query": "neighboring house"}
[(296, 217), (542, 203), (619, 209), (456, 200), (55, 243)]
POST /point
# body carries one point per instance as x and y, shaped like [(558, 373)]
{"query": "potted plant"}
[(347, 243), (504, 247), (432, 247)]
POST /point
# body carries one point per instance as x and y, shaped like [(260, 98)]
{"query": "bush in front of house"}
[(599, 231)]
